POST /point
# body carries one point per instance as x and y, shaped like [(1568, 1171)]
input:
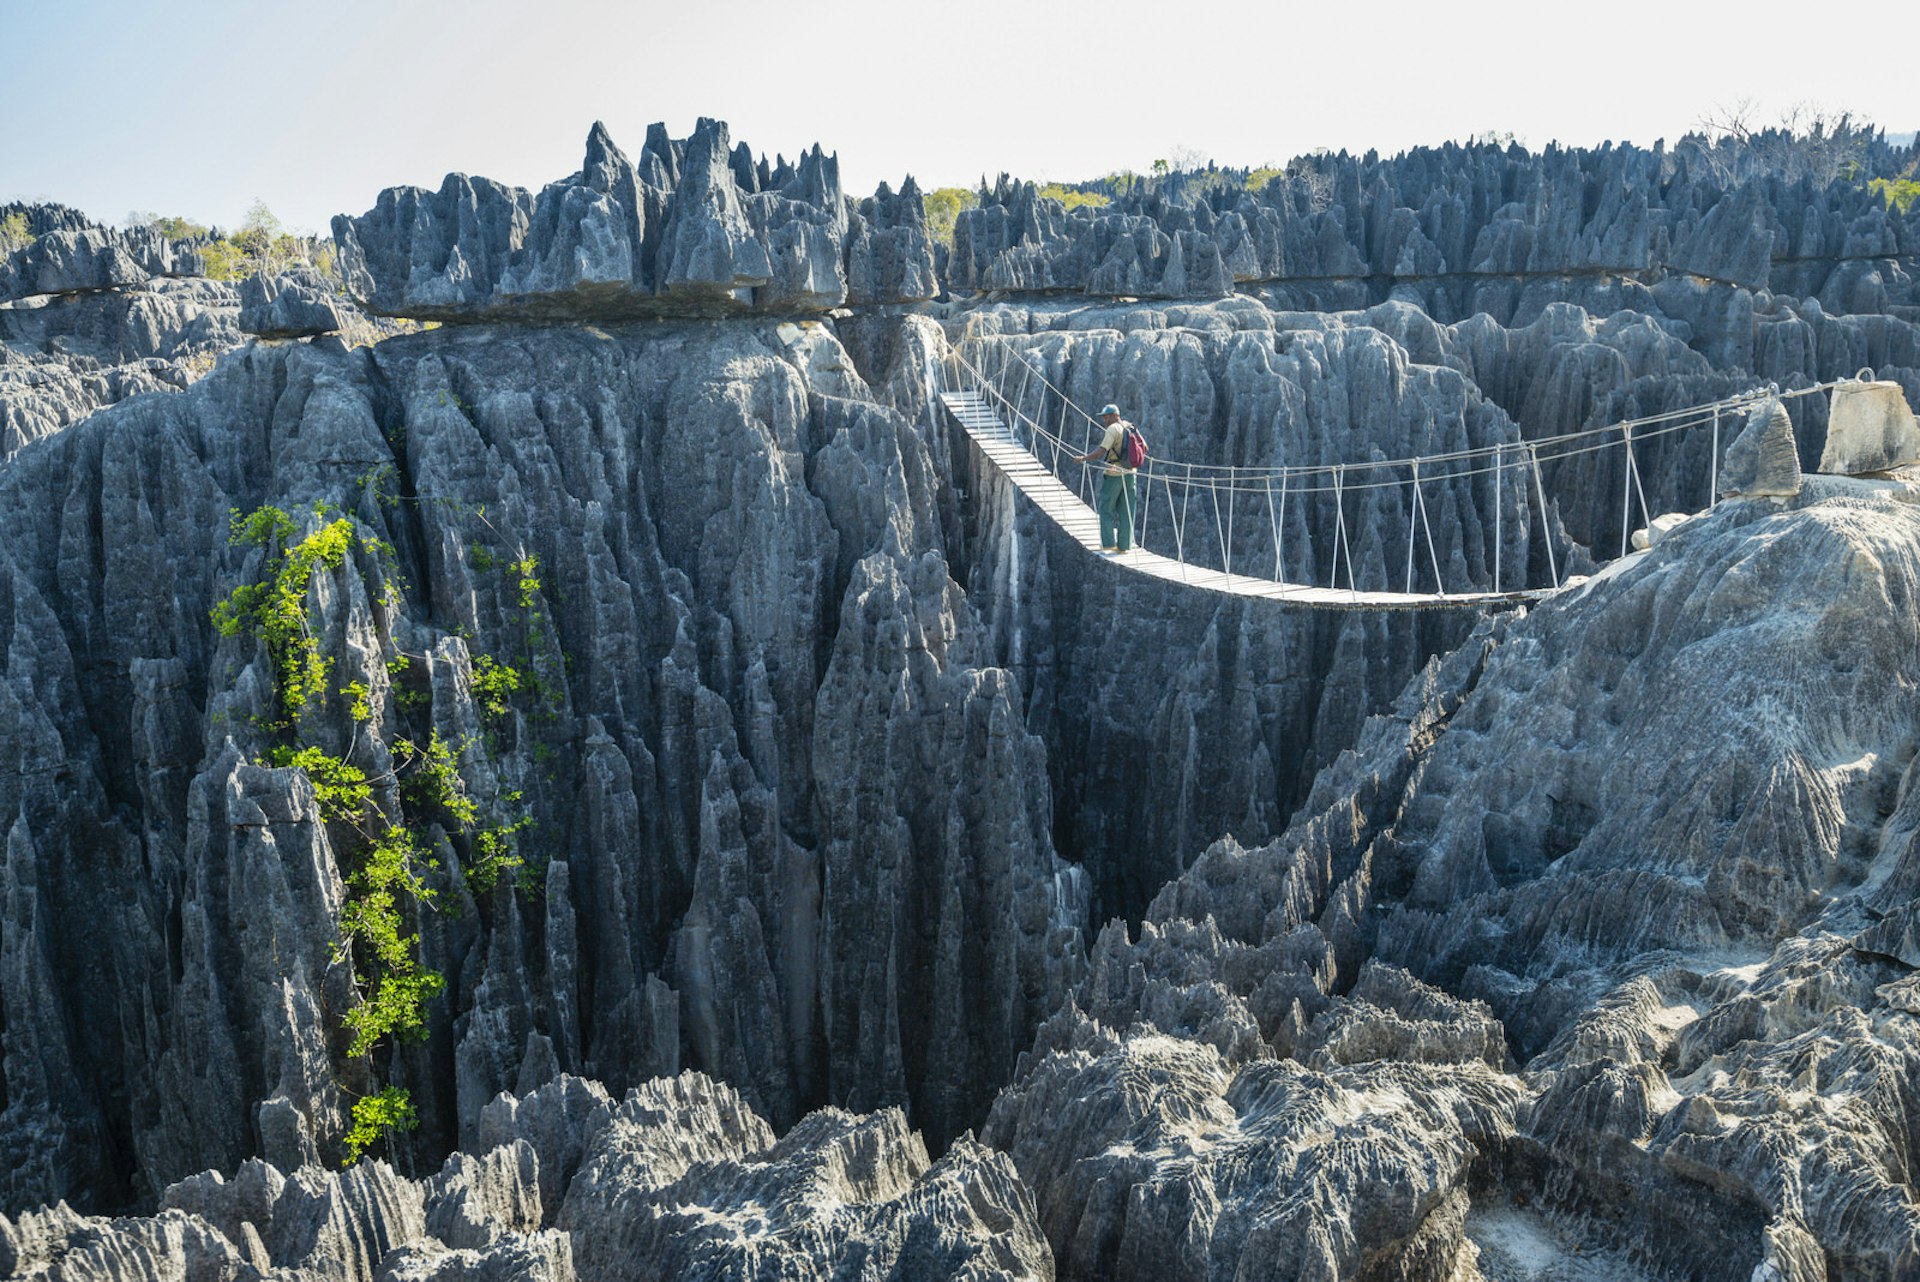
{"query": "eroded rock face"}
[(681, 1180), (1701, 981), (64, 356), (1160, 1156), (80, 259), (1870, 429), (1458, 229), (738, 587), (1762, 461), (692, 227), (295, 304)]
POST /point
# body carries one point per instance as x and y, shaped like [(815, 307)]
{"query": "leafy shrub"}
[(15, 234), (1899, 192), (1073, 197), (386, 859), (943, 206)]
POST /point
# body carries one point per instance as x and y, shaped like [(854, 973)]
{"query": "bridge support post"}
[(1713, 462), (1498, 452)]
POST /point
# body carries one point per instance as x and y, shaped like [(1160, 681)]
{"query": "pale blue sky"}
[(199, 108)]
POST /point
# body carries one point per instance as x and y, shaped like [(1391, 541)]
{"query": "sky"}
[(200, 109)]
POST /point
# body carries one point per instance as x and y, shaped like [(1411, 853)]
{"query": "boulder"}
[(295, 304), (1763, 461), (1870, 428)]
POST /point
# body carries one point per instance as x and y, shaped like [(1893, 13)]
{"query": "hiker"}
[(1119, 499)]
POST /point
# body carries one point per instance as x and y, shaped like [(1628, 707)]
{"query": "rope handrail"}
[(996, 403), (1543, 444)]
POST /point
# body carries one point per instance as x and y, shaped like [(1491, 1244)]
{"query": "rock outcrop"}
[(71, 260), (1457, 228), (121, 313), (1762, 461), (1160, 1156), (1870, 429), (786, 758), (1702, 982), (692, 227), (680, 1179), (296, 304)]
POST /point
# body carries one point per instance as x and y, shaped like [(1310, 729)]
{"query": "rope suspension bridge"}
[(1004, 402)]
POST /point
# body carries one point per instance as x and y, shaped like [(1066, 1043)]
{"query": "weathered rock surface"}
[(1702, 981), (1443, 226), (1762, 461), (67, 352), (1871, 428), (692, 227), (1154, 1156), (75, 260), (749, 859), (62, 358), (681, 1179), (296, 304)]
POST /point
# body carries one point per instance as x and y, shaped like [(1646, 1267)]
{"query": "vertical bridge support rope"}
[(1498, 454), (980, 389)]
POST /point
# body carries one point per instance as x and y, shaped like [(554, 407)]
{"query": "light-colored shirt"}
[(1110, 444)]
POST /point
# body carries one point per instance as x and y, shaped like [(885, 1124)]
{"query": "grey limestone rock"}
[(691, 227), (533, 1257), (680, 1180), (1150, 1156), (689, 1183), (473, 1200), (92, 258), (1762, 462), (1669, 965), (1448, 223), (1870, 428), (63, 357), (296, 304), (708, 508)]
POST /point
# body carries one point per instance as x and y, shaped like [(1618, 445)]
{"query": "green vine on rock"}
[(276, 610), (385, 858)]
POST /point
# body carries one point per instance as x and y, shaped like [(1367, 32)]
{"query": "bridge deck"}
[(1061, 505)]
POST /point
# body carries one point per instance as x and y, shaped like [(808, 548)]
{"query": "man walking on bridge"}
[(1119, 499)]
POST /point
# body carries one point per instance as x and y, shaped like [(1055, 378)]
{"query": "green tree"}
[(14, 233), (1073, 197), (943, 206), (262, 247), (172, 226)]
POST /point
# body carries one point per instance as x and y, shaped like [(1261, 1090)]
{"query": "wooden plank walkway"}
[(1081, 523)]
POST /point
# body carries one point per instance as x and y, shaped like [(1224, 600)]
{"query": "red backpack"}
[(1132, 449)]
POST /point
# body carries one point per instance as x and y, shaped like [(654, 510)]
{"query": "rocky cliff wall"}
[(1673, 883), (692, 227), (1441, 221), (788, 821), (1579, 929), (91, 315)]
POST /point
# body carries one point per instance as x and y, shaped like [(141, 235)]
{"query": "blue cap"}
[(1109, 409)]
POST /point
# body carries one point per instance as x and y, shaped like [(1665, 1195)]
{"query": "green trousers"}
[(1119, 509)]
